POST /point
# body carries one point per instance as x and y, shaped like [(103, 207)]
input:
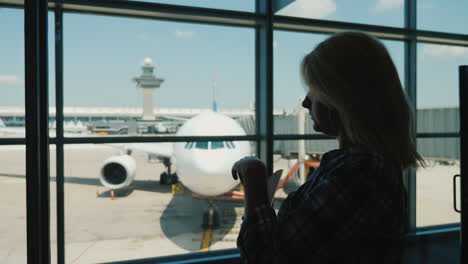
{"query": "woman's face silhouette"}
[(325, 120)]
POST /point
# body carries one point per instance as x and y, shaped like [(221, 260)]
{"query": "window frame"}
[(264, 22)]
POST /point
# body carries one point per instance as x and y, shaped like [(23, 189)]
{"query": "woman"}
[(353, 207)]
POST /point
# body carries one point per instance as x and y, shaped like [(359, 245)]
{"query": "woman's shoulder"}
[(356, 155), (357, 159)]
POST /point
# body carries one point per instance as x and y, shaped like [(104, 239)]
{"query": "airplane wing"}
[(163, 149)]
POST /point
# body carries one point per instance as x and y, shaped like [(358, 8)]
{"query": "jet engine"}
[(118, 172)]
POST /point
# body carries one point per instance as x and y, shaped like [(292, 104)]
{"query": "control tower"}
[(147, 82)]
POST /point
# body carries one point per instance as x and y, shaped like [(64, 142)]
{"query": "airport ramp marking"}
[(226, 232), (233, 229), (206, 240)]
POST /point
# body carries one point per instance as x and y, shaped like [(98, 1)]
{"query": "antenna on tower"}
[(215, 105)]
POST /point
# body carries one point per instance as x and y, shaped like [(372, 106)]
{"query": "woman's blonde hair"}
[(352, 73)]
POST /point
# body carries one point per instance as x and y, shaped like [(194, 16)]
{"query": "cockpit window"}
[(189, 145), (217, 145), (230, 145), (210, 145), (201, 145)]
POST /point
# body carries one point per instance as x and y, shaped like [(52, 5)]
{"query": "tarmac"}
[(147, 219)]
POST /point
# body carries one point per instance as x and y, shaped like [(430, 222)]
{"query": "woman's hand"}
[(253, 175), (249, 168)]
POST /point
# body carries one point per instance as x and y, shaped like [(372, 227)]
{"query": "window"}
[(205, 62), (387, 13), (230, 144), (434, 184), (438, 112), (439, 16), (217, 145), (12, 73), (201, 145), (289, 48), (12, 157), (163, 221), (13, 199), (106, 56)]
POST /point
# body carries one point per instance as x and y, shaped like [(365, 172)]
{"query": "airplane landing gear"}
[(168, 178), (211, 218)]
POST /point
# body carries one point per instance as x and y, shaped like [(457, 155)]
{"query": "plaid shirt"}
[(352, 209)]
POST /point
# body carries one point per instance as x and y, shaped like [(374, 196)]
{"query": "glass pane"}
[(239, 5), (437, 112), (289, 90), (145, 215), (438, 86), (53, 203), (108, 92), (13, 204), (380, 12), (289, 48), (12, 111), (434, 184), (51, 58), (12, 73), (442, 16)]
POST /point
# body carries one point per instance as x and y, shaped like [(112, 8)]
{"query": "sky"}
[(103, 54)]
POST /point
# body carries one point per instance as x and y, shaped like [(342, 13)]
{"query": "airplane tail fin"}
[(1, 123), (215, 106), (214, 87)]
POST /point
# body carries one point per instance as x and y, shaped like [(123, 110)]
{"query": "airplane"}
[(11, 131), (202, 167), (71, 129)]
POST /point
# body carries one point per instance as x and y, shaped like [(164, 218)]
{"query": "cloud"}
[(384, 5), (184, 34), (11, 80), (143, 36), (444, 51), (309, 8), (275, 44)]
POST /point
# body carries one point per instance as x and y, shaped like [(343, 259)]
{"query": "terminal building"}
[(167, 120), (148, 184)]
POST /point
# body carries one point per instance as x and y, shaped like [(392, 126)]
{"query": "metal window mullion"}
[(244, 19), (149, 10), (140, 9), (463, 93), (411, 91), (438, 135), (302, 137), (149, 139), (59, 134), (307, 25), (264, 83), (37, 148), (12, 141)]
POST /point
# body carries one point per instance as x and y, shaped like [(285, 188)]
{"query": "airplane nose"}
[(210, 176), (214, 165)]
